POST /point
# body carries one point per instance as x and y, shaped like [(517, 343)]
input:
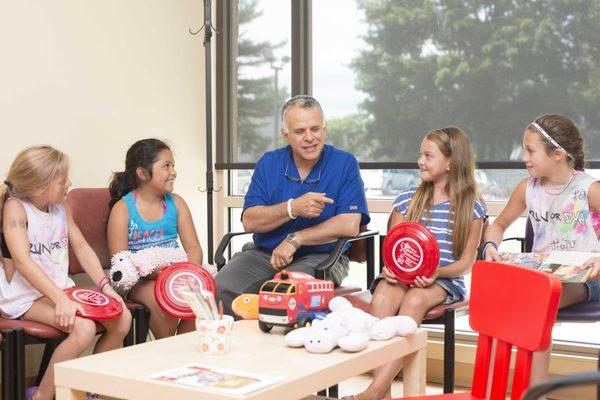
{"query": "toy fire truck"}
[(292, 300)]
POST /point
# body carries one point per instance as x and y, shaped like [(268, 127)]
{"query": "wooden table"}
[(124, 373)]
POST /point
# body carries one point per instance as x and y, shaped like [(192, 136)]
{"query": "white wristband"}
[(289, 209)]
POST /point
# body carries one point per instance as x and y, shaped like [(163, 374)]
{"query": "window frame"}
[(301, 39)]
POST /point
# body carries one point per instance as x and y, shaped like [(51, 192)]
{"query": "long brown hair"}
[(142, 153), (566, 134), (33, 169), (461, 187)]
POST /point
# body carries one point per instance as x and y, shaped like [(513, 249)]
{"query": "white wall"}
[(92, 77)]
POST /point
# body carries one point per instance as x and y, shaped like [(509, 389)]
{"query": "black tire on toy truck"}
[(263, 326), (304, 321)]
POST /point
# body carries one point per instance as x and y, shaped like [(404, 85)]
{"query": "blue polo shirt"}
[(276, 179)]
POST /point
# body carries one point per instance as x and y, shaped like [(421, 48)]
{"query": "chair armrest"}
[(518, 239), (219, 253), (541, 389), (335, 254)]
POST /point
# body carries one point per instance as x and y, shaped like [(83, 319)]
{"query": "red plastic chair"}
[(514, 306)]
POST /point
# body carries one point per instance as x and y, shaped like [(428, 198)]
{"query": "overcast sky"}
[(336, 29)]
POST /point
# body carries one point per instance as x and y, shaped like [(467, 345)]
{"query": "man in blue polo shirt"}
[(301, 199)]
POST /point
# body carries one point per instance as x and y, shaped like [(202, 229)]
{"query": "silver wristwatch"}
[(293, 239)]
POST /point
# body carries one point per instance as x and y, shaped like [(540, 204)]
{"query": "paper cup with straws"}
[(215, 334)]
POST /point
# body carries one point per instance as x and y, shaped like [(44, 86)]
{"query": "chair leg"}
[(370, 247), (333, 391), (8, 362), (48, 351), (142, 317), (449, 351), (129, 340), (19, 364)]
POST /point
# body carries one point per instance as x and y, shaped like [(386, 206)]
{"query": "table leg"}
[(63, 393), (415, 373)]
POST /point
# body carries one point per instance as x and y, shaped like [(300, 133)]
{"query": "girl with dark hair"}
[(146, 213), (562, 203)]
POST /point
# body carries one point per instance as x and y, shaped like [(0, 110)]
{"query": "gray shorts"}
[(593, 290), (249, 269)]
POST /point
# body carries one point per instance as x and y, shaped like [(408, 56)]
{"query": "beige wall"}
[(91, 77)]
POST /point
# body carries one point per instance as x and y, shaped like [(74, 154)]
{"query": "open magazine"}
[(231, 381), (567, 265)]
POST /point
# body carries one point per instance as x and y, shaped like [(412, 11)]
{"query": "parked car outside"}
[(396, 180)]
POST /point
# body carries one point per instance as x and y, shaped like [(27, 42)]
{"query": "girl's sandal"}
[(30, 393)]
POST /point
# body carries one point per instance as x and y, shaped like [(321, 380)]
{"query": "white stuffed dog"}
[(349, 328), (127, 268)]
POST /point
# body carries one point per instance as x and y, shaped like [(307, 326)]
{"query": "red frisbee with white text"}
[(96, 305), (410, 250), (180, 276)]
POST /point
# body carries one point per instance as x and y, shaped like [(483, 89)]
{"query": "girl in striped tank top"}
[(446, 202), (562, 203)]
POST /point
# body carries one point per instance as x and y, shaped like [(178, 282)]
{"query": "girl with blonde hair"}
[(446, 202), (37, 230)]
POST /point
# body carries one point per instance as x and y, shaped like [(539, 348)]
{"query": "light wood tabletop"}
[(124, 373)]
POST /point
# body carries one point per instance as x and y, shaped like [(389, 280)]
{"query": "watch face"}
[(291, 238)]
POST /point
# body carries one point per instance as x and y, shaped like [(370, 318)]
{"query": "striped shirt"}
[(441, 225)]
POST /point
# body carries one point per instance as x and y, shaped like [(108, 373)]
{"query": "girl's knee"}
[(415, 301), (84, 331), (122, 325)]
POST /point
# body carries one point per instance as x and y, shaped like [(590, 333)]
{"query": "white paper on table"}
[(229, 380)]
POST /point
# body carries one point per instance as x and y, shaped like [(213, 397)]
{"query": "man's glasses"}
[(298, 180)]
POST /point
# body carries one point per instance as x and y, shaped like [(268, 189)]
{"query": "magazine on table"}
[(567, 265), (229, 380)]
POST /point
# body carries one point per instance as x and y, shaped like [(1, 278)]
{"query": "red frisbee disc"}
[(97, 306), (410, 250), (178, 276)]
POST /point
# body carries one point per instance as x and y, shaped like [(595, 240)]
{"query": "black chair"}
[(543, 388), (356, 253), (368, 256)]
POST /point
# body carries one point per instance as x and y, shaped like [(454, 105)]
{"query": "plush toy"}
[(127, 267), (246, 306), (349, 328)]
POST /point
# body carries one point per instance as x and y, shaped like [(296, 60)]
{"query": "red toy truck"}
[(292, 299)]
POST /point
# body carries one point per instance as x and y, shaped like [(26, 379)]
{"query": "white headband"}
[(543, 132)]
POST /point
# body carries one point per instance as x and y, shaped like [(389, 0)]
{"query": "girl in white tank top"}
[(36, 234), (561, 201), (48, 247)]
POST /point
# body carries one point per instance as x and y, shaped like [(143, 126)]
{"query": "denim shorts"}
[(453, 294), (593, 290)]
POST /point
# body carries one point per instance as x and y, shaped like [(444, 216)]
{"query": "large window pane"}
[(394, 70), (263, 75)]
